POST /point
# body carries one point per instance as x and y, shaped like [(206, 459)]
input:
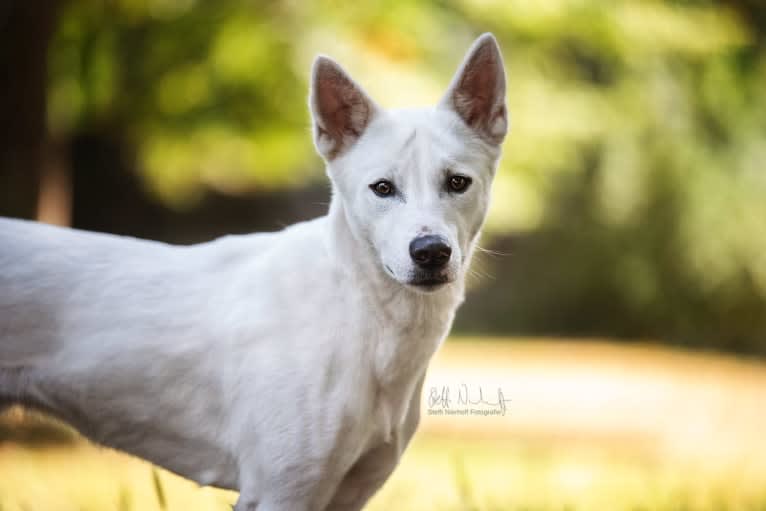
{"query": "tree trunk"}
[(26, 27)]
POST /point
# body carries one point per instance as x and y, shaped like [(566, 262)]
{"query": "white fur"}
[(285, 365)]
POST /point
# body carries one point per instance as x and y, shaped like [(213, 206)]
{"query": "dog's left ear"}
[(340, 108), (477, 92)]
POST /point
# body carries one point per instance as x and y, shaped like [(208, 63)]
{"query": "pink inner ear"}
[(476, 91), (332, 110), (342, 108)]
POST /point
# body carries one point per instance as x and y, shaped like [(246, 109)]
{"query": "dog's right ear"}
[(340, 108)]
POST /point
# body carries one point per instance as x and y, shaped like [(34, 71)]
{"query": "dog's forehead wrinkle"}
[(410, 139)]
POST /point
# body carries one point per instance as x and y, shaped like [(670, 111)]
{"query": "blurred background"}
[(621, 303)]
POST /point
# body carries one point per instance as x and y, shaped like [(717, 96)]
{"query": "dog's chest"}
[(400, 357)]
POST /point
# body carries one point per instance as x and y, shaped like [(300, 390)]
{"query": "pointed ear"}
[(477, 92), (341, 110)]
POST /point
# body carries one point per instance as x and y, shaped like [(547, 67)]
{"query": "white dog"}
[(285, 365)]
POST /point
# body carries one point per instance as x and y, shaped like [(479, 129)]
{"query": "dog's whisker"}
[(492, 252)]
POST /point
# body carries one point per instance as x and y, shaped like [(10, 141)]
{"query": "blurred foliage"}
[(634, 172), (651, 181), (207, 91)]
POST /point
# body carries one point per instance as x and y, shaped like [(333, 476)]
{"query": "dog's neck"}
[(419, 321)]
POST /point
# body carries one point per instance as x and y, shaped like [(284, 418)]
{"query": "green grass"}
[(450, 474), (647, 429), (438, 472)]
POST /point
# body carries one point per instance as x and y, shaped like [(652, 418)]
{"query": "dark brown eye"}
[(458, 184), (382, 188)]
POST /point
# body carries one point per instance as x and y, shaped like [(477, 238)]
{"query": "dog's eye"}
[(458, 183), (382, 188)]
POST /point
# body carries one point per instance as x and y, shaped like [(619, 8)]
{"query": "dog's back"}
[(44, 271)]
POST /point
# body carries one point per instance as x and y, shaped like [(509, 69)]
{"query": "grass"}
[(590, 426)]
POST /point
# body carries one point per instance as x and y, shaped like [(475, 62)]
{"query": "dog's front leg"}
[(365, 478), (246, 503), (286, 492), (373, 469), (291, 481)]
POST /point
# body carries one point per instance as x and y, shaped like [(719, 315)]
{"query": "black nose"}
[(430, 252)]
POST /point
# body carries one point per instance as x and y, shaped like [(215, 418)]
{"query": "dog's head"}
[(414, 184)]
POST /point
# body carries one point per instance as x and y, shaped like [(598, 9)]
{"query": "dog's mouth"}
[(429, 281), (423, 281)]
